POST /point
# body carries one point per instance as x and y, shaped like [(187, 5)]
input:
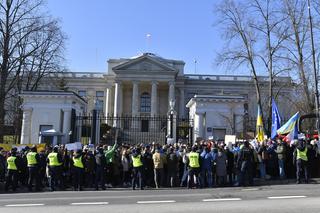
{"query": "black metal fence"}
[(131, 129)]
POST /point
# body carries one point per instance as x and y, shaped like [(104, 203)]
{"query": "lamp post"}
[(171, 122), (316, 93)]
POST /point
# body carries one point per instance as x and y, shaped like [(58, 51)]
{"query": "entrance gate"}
[(130, 129)]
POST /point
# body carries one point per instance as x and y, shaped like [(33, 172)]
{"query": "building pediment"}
[(143, 64)]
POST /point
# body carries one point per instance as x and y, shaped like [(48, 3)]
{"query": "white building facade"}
[(47, 115), (146, 84)]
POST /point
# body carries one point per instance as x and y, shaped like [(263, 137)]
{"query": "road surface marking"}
[(221, 199), (59, 196), (156, 201), (287, 197), (90, 203), (250, 189), (25, 205)]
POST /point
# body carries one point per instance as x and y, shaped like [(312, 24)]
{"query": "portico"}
[(143, 86)]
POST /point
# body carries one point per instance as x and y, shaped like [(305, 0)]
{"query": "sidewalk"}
[(257, 182), (261, 182)]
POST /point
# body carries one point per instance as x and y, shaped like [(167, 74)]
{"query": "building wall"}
[(46, 109), (43, 117), (191, 84), (216, 114)]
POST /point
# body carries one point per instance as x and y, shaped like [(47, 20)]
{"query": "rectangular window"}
[(99, 105), (82, 93), (45, 127), (218, 134), (100, 94), (145, 102)]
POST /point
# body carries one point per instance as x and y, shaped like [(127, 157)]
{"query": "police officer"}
[(42, 166), (245, 164), (101, 163), (2, 165), (193, 168), (137, 170), (78, 170), (54, 161), (33, 168), (301, 158), (12, 171)]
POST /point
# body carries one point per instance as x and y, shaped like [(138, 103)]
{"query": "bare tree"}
[(271, 30), (296, 46), (31, 45), (241, 40)]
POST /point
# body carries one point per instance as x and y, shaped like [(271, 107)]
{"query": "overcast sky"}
[(98, 30)]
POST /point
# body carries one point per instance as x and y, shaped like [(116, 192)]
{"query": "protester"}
[(206, 163)]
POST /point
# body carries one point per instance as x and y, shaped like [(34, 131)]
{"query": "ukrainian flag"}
[(259, 127), (289, 126)]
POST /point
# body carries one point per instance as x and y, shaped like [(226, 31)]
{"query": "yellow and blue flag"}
[(259, 127), (290, 125), (291, 136)]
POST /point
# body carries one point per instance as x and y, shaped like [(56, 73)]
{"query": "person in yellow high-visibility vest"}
[(194, 168), (78, 170), (301, 160), (33, 168), (55, 162), (137, 170), (12, 171)]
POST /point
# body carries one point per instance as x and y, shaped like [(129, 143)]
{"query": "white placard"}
[(170, 141), (73, 146), (230, 138)]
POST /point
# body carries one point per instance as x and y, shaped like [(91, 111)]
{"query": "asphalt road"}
[(276, 198)]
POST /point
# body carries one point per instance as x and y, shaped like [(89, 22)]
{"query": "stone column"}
[(117, 99), (66, 125), (182, 103), (117, 103), (26, 126), (154, 98), (107, 106), (171, 95), (198, 126), (135, 98)]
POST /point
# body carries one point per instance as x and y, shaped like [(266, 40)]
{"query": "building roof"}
[(52, 93), (215, 98)]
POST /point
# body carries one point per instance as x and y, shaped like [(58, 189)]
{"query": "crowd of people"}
[(203, 164)]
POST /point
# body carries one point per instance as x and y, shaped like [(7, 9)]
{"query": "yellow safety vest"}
[(53, 159), (11, 163), (77, 162), (136, 161), (194, 160), (31, 158), (302, 154)]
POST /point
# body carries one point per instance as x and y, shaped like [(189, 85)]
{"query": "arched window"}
[(145, 102)]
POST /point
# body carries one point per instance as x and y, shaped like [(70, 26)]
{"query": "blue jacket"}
[(207, 160)]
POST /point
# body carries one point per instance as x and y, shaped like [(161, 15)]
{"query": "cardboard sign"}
[(230, 138), (170, 141), (73, 146)]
